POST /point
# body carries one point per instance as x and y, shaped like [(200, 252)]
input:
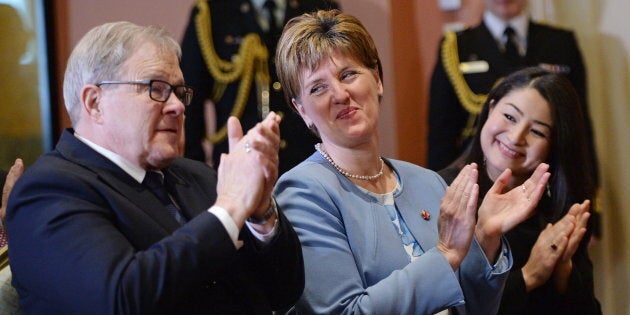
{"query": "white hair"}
[(100, 54)]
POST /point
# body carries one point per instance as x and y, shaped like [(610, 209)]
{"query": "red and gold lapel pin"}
[(425, 215)]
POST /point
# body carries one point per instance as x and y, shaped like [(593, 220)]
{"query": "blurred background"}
[(37, 36)]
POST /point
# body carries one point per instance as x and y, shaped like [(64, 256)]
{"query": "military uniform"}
[(483, 63), (229, 31)]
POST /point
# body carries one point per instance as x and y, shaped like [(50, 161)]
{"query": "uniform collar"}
[(497, 26)]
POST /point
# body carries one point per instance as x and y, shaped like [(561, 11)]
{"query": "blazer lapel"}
[(117, 179), (142, 198), (188, 197), (424, 230)]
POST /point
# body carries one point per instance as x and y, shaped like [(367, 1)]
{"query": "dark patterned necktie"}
[(153, 181), (511, 48), (270, 6)]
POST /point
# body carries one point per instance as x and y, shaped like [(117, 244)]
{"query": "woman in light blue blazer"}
[(382, 236)]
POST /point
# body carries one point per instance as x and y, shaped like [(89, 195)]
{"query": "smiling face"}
[(143, 131), (340, 98), (517, 134)]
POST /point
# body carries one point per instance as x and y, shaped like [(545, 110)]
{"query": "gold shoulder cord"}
[(251, 60), (471, 102)]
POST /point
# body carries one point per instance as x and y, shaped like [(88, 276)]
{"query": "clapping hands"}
[(499, 212), (247, 174), (554, 248)]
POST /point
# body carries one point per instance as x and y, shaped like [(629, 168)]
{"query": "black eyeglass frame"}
[(183, 92)]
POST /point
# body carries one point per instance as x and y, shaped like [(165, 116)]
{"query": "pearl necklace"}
[(343, 172)]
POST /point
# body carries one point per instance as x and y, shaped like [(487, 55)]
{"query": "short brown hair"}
[(311, 37)]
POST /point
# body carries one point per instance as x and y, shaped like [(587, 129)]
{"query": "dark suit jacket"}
[(447, 117), (87, 238), (231, 21)]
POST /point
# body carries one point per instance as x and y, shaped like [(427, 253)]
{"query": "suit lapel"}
[(424, 231), (187, 197), (117, 179), (142, 198), (410, 207)]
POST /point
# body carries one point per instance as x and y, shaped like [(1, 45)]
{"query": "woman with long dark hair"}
[(534, 116)]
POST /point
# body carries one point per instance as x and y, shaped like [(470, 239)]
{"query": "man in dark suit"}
[(114, 221), (471, 61), (228, 50)]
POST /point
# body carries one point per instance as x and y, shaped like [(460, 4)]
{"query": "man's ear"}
[(91, 101), (302, 112)]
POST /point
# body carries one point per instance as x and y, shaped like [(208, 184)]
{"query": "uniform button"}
[(283, 144), (277, 86), (245, 8)]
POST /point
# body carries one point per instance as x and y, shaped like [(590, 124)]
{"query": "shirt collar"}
[(497, 26), (134, 171)]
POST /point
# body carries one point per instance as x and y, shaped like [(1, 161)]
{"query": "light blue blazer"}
[(354, 258)]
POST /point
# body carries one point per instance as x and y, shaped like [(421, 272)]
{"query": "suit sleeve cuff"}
[(228, 224)]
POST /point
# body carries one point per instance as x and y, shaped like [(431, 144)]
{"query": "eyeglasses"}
[(159, 90)]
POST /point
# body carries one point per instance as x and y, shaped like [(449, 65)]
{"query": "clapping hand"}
[(247, 174), (457, 216), (554, 248), (500, 212)]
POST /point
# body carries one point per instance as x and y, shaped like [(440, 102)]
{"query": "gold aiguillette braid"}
[(251, 59), (470, 101)]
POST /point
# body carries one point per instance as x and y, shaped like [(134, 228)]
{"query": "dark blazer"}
[(88, 238), (580, 296), (231, 21), (447, 117)]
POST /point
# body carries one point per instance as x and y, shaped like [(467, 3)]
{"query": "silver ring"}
[(248, 147), (466, 194)]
